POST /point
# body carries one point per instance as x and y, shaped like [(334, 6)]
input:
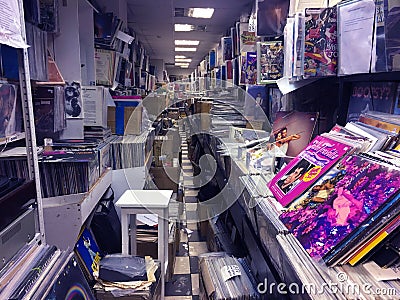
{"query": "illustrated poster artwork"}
[(73, 101)]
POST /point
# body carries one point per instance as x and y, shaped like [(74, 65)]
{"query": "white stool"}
[(134, 202)]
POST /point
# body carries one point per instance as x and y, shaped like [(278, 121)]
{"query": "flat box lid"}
[(145, 198)]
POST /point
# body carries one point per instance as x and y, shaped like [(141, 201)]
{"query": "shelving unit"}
[(65, 215)]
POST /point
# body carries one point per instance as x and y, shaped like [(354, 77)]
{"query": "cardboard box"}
[(132, 119)]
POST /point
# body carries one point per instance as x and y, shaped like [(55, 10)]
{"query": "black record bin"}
[(106, 225)]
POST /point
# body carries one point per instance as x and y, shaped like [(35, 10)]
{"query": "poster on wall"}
[(73, 101), (10, 24)]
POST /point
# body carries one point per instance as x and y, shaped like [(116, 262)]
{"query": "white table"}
[(134, 202)]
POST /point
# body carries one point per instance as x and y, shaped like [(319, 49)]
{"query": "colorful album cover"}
[(226, 43), (251, 68), (378, 123), (316, 159), (234, 42), (337, 205), (9, 110), (247, 38), (103, 25), (211, 62), (292, 132), (320, 53), (269, 61), (360, 101), (229, 70), (70, 284), (88, 252)]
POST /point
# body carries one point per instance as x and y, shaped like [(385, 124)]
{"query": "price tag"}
[(230, 271)]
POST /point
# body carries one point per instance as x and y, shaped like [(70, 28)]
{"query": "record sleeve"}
[(269, 61), (348, 196), (88, 253), (315, 160), (320, 53)]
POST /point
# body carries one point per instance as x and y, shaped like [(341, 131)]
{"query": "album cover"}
[(247, 40), (242, 66), (73, 101), (259, 95), (10, 114), (251, 68), (70, 284), (271, 17), (392, 34), (88, 252), (292, 132), (320, 53), (369, 119), (49, 15), (276, 103), (103, 26), (226, 43), (360, 100), (340, 202), (211, 61), (269, 61), (315, 160)]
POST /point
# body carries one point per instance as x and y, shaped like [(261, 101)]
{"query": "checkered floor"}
[(184, 284)]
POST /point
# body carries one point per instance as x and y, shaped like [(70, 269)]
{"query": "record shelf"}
[(66, 214)]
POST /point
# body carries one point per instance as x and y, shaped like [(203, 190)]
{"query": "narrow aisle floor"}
[(184, 284)]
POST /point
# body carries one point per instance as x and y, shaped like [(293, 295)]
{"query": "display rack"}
[(65, 215)]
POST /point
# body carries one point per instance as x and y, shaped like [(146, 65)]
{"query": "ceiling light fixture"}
[(181, 64), (184, 27), (183, 49), (180, 56), (186, 43), (183, 59), (185, 67), (204, 13)]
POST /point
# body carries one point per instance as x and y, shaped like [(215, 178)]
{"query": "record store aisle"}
[(184, 284)]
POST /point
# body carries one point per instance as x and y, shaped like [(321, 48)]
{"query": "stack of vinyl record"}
[(224, 277), (132, 150), (96, 132), (68, 172), (13, 163)]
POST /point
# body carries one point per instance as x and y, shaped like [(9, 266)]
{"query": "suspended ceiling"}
[(153, 21)]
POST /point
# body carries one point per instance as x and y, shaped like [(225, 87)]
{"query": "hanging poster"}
[(10, 24)]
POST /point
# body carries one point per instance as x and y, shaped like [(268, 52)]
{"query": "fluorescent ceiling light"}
[(181, 64), (183, 59), (184, 27), (180, 56), (205, 13), (183, 49), (185, 67), (186, 43)]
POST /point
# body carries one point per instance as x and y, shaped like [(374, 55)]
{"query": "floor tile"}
[(179, 285), (195, 284), (191, 206), (197, 248), (182, 265), (189, 192), (192, 216), (190, 199), (183, 238), (196, 237), (194, 264), (183, 249), (187, 167)]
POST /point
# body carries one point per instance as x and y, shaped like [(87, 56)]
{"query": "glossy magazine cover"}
[(315, 160), (350, 194)]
